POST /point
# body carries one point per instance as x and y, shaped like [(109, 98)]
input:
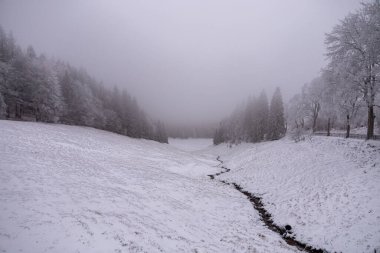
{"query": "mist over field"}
[(189, 126), (185, 61)]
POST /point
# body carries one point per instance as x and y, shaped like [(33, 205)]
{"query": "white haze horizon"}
[(186, 62)]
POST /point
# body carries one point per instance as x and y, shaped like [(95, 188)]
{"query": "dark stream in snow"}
[(285, 232)]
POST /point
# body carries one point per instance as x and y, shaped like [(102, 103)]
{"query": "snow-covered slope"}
[(326, 188), (77, 189)]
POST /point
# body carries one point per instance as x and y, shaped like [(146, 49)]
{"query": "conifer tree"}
[(36, 88), (262, 116), (276, 117)]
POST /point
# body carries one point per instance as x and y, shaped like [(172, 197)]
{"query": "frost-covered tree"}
[(7, 46), (329, 111), (297, 112), (47, 98), (250, 125), (46, 95), (3, 107), (316, 100), (20, 85), (355, 42), (314, 95), (238, 127), (262, 116), (347, 100), (218, 136), (276, 117), (251, 122), (160, 133), (36, 88), (4, 70), (74, 98)]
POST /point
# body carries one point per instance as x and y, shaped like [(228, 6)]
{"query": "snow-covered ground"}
[(77, 189), (326, 188), (358, 130), (190, 144)]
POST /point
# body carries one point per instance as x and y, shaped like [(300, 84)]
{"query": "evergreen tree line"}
[(347, 92), (255, 121), (34, 88)]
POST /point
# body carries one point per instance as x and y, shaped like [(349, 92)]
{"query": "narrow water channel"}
[(286, 232)]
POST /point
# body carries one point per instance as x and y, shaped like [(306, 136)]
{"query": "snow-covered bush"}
[(298, 134)]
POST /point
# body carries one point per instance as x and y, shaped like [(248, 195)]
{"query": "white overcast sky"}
[(186, 61)]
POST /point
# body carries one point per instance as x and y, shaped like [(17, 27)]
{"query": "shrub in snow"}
[(298, 134)]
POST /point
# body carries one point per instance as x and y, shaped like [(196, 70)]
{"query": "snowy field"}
[(190, 144), (326, 188), (77, 189)]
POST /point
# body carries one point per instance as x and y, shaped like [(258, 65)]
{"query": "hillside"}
[(326, 188), (77, 189)]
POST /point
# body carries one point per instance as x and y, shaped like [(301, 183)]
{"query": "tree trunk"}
[(348, 127), (371, 122), (314, 124), (17, 111), (8, 112), (328, 127), (37, 114)]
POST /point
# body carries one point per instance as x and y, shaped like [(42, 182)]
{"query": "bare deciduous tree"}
[(356, 43)]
